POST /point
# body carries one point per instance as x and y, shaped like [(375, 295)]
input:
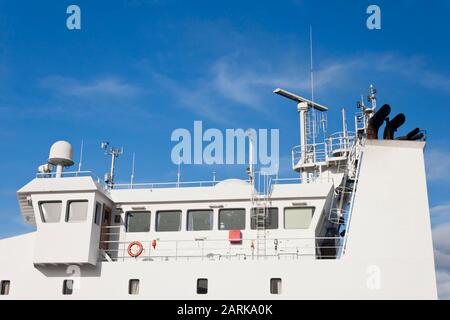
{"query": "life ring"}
[(137, 253)]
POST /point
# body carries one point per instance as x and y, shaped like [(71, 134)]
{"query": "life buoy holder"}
[(136, 253)]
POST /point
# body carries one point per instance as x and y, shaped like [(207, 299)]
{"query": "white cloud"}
[(441, 240), (443, 280), (106, 86), (440, 210), (438, 165)]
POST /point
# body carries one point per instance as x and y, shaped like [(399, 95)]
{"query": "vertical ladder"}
[(260, 208)]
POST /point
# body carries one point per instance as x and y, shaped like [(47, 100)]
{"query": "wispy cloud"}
[(443, 280), (440, 210), (441, 241), (245, 80), (438, 165), (104, 86)]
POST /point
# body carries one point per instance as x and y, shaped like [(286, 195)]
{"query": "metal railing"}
[(68, 174), (223, 249), (157, 185), (336, 145)]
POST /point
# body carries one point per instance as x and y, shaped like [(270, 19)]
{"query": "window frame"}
[(5, 287), (265, 227), (199, 290), (279, 286), (298, 207), (165, 211), (98, 214), (68, 210), (222, 209), (66, 290), (210, 211), (127, 213), (40, 203), (130, 287)]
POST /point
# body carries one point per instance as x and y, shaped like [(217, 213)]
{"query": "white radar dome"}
[(61, 154)]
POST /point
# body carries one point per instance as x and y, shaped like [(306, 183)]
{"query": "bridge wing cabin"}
[(68, 213)]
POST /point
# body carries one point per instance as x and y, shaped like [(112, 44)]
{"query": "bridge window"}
[(50, 211), (231, 219), (168, 220), (202, 286), (77, 211), (5, 285), (98, 213), (67, 287), (267, 220), (133, 286), (199, 220), (298, 217), (137, 221)]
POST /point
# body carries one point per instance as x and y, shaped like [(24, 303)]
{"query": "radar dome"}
[(61, 154)]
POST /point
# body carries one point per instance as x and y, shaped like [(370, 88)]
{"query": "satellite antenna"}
[(114, 153), (60, 156)]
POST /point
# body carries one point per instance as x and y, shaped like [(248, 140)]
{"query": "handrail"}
[(157, 185), (323, 151), (67, 174), (211, 248)]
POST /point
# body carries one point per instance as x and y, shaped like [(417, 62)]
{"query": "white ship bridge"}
[(359, 204)]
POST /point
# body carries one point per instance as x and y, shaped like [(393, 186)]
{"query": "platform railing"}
[(337, 144), (68, 174), (224, 249), (157, 185)]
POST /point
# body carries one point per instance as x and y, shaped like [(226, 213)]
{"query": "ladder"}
[(260, 214), (344, 192)]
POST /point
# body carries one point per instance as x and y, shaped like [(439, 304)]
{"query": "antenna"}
[(313, 112), (81, 156), (179, 172), (251, 161), (344, 124), (114, 153), (132, 170), (373, 97)]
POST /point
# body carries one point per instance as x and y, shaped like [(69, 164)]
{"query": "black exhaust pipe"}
[(393, 125), (409, 135), (376, 121), (418, 136)]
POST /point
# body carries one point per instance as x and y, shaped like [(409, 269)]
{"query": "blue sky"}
[(139, 69)]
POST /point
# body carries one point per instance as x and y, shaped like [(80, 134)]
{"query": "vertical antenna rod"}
[(344, 123), (179, 172), (250, 155), (132, 169), (313, 112), (81, 156)]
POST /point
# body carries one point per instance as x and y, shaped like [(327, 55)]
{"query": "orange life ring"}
[(139, 252)]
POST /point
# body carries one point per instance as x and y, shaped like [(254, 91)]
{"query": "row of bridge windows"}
[(171, 220), (228, 219)]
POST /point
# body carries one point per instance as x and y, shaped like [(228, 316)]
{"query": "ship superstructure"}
[(354, 225)]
